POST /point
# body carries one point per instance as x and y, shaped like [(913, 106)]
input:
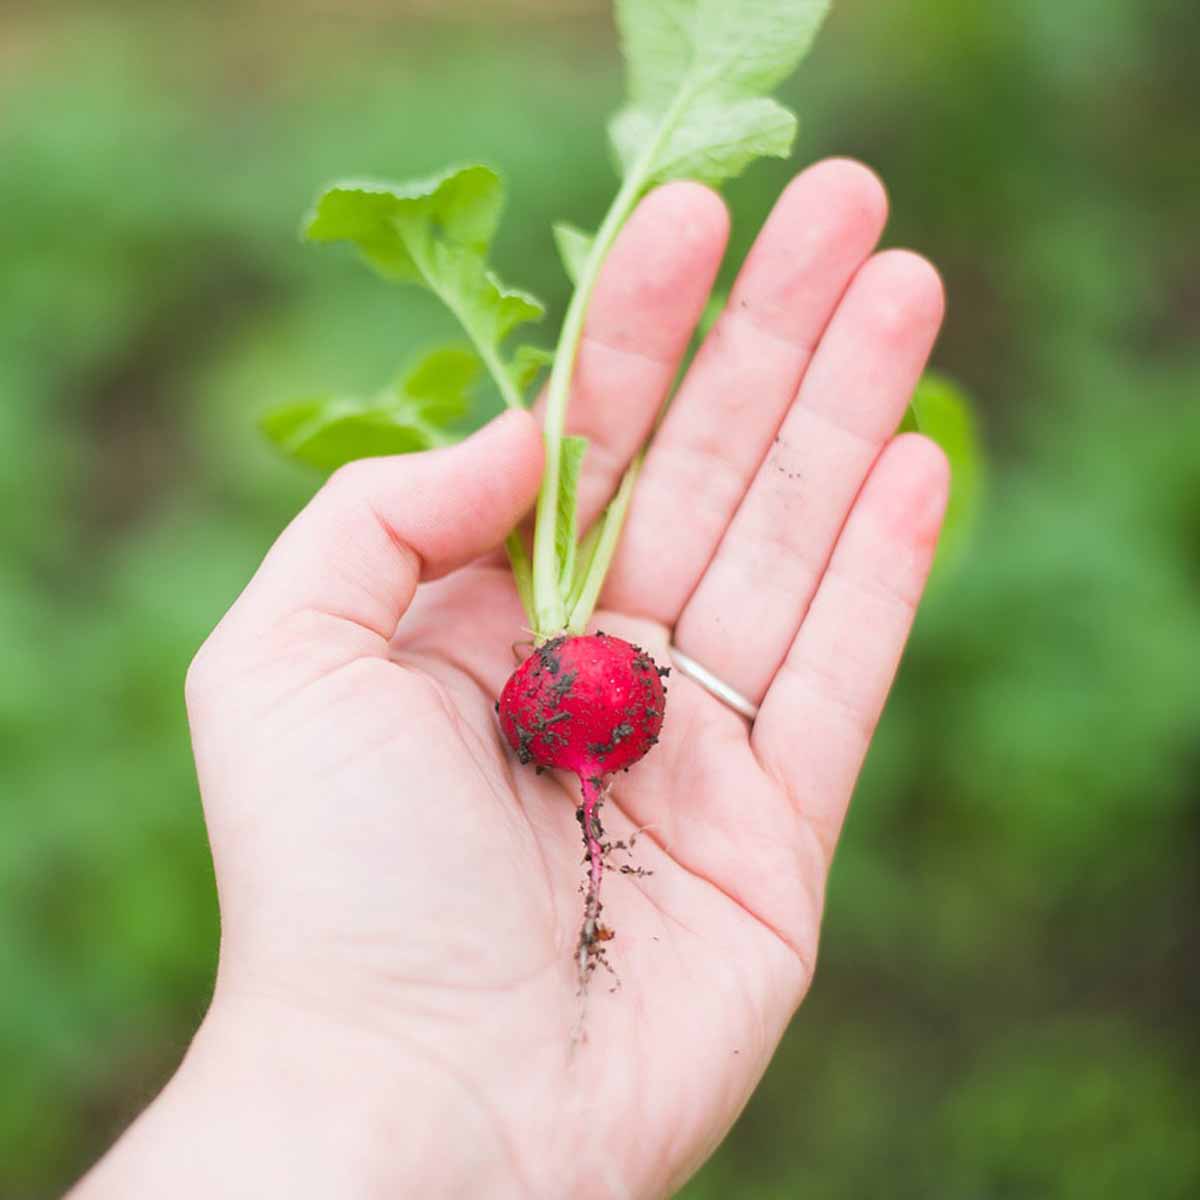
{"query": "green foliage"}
[(696, 71), (437, 232), (941, 411), (699, 74), (1006, 997), (413, 414), (574, 248)]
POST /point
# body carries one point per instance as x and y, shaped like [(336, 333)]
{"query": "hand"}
[(400, 900)]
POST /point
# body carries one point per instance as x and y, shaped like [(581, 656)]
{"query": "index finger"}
[(647, 303)]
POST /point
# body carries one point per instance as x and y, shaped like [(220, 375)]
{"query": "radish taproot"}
[(591, 706)]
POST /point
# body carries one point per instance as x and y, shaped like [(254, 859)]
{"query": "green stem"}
[(549, 607), (522, 571), (611, 526), (549, 610), (507, 386), (504, 381), (583, 563)]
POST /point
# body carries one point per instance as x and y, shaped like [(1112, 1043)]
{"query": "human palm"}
[(387, 868)]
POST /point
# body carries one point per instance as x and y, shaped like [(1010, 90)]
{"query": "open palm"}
[(389, 871)]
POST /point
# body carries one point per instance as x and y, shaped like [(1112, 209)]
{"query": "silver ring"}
[(714, 686)]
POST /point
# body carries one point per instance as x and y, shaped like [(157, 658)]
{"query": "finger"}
[(746, 610), (356, 553), (823, 705), (648, 300), (721, 423)]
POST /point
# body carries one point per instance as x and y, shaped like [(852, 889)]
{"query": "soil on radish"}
[(592, 706)]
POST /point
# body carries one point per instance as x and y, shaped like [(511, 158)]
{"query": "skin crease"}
[(396, 995)]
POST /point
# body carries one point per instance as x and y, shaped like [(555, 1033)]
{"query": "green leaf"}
[(942, 411), (584, 557), (393, 224), (573, 451), (527, 364), (699, 74), (436, 233), (746, 46), (518, 559), (716, 142), (329, 432), (411, 415), (438, 387), (717, 303), (574, 248)]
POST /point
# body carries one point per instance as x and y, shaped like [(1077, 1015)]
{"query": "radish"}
[(699, 107), (591, 706)]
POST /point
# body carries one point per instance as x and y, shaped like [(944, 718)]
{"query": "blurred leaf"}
[(716, 305), (942, 411)]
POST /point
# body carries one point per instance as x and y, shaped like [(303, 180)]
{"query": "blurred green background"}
[(1006, 1005)]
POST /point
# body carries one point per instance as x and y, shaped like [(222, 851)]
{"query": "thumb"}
[(381, 525)]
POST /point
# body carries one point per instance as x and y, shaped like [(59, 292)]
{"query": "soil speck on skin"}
[(524, 738), (562, 686), (548, 657)]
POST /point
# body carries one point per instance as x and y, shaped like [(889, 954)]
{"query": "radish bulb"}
[(591, 706)]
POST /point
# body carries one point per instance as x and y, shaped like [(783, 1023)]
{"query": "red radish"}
[(592, 706)]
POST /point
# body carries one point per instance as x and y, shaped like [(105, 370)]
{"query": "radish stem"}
[(611, 525), (549, 606), (518, 559)]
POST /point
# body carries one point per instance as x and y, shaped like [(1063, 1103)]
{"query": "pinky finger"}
[(820, 713)]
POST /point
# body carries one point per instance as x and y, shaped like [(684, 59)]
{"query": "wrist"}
[(274, 1101)]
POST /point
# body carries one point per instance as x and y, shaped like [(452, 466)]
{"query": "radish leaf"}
[(699, 74), (574, 248), (527, 364), (439, 384), (436, 232), (719, 140), (329, 431)]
